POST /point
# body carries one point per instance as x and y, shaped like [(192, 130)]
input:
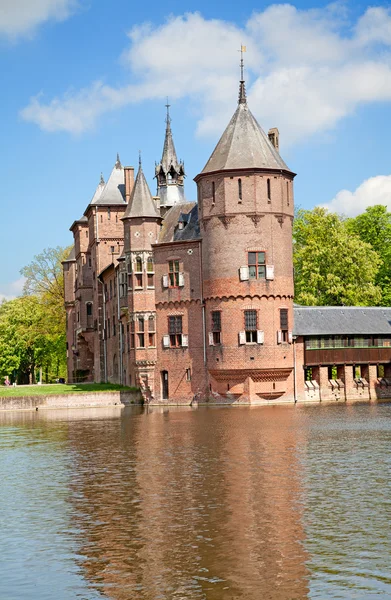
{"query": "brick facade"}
[(194, 302)]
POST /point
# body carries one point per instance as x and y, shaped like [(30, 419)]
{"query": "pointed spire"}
[(141, 203), (118, 162), (242, 87), (102, 181)]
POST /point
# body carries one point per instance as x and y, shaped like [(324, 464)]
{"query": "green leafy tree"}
[(23, 339), (333, 266), (374, 227)]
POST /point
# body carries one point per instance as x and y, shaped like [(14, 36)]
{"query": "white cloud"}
[(306, 70), (376, 190), (9, 291), (22, 17)]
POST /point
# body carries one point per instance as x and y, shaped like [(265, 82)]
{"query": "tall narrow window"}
[(150, 273), (216, 326), (108, 214), (257, 265), (250, 326), (139, 273), (111, 289), (173, 273), (175, 331), (213, 192), (284, 324), (132, 334), (114, 326), (269, 196), (128, 337), (140, 333), (151, 331), (287, 193), (240, 189)]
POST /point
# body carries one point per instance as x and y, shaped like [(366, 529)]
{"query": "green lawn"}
[(59, 388)]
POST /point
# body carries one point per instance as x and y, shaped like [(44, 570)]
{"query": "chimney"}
[(129, 182), (274, 137)]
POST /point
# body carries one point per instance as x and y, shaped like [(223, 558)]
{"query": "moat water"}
[(215, 503)]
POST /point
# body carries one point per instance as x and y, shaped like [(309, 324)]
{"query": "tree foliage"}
[(32, 327), (333, 266), (374, 227)]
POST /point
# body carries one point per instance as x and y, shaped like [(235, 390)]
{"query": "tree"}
[(374, 227), (333, 266)]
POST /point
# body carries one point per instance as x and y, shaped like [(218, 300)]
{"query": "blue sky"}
[(85, 79)]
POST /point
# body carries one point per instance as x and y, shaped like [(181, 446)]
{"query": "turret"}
[(169, 172), (245, 197)]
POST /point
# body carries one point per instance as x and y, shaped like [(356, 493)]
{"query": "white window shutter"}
[(290, 337), (185, 340), (166, 341), (260, 336), (279, 337), (242, 337), (211, 339), (181, 280), (269, 271), (243, 271), (165, 281)]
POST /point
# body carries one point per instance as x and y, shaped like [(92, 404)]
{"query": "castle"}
[(193, 301)]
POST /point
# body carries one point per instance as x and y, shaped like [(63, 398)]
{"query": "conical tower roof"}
[(114, 190), (244, 144), (141, 203)]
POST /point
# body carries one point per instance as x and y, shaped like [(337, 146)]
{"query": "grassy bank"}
[(59, 388)]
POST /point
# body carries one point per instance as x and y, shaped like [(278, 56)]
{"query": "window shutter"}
[(185, 340), (279, 337), (165, 281), (260, 336), (290, 337), (166, 341), (211, 339), (242, 337), (243, 273), (181, 280), (269, 271)]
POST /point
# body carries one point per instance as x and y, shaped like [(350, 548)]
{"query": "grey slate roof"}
[(179, 212), (141, 203), (71, 256), (114, 190), (98, 191), (244, 145), (342, 320)]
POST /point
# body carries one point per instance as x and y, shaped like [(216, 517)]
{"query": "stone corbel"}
[(226, 220)]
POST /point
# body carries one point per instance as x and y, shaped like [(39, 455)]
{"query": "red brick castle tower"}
[(245, 199)]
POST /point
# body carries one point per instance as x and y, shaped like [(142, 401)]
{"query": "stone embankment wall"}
[(93, 399)]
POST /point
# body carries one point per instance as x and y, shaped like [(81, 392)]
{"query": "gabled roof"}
[(187, 212), (342, 320), (114, 190), (141, 203), (244, 144)]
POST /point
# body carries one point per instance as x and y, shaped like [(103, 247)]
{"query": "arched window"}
[(269, 197), (108, 214), (240, 189), (139, 265), (150, 264)]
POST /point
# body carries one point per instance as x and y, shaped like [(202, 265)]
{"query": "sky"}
[(85, 79)]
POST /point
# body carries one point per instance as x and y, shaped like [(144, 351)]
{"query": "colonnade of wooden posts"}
[(348, 382)]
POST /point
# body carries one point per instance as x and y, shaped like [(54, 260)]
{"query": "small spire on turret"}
[(102, 180), (242, 87), (139, 160), (118, 162)]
